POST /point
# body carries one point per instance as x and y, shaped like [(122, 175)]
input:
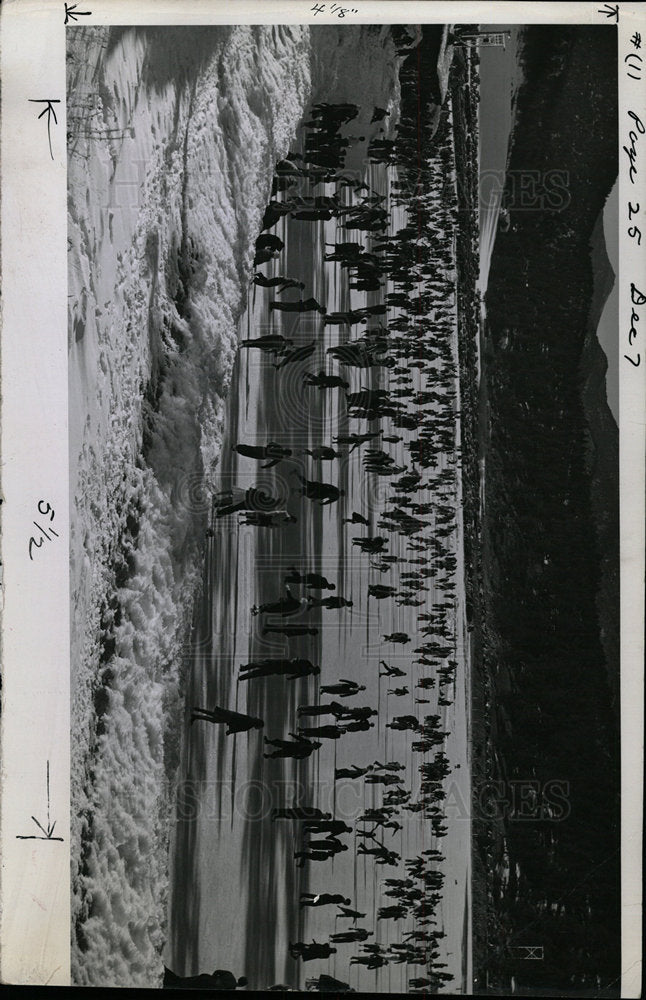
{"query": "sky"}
[(498, 77)]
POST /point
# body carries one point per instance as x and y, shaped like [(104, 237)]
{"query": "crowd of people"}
[(408, 344)]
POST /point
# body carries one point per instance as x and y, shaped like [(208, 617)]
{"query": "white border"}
[(34, 889), (632, 449)]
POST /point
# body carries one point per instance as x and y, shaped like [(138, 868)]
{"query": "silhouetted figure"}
[(344, 688), (371, 545), (323, 453), (298, 748), (354, 771), (370, 961), (292, 668), (270, 343), (269, 241), (329, 732), (230, 501), (327, 984), (298, 812), (389, 671), (300, 306), (289, 630), (236, 721), (404, 722), (331, 603), (334, 708), (308, 952), (218, 980), (264, 256), (288, 605), (329, 826), (322, 898), (328, 845), (349, 937), (354, 440), (345, 911), (360, 726), (313, 215), (351, 316), (313, 580), (296, 354), (271, 519), (325, 493), (383, 779), (356, 519), (274, 452), (323, 381), (380, 591), (282, 284)]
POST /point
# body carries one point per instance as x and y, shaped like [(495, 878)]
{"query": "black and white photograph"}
[(344, 372)]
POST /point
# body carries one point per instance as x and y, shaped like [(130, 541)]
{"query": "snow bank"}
[(173, 135)]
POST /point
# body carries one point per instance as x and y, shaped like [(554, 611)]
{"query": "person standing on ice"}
[(324, 381), (288, 605), (330, 732), (298, 748), (354, 440), (334, 708), (325, 493), (331, 603), (279, 282), (356, 519), (299, 812), (349, 913), (328, 846), (323, 453), (268, 246), (347, 712), (271, 519), (329, 826), (399, 637), (343, 688), (274, 452), (236, 721), (237, 498), (269, 241), (221, 979), (289, 630), (322, 899), (293, 668), (348, 937), (296, 354), (271, 343), (302, 305), (307, 952), (313, 580), (351, 772), (347, 318), (327, 984)]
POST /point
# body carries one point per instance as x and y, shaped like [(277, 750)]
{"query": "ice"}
[(173, 136)]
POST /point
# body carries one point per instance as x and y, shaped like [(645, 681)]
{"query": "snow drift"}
[(173, 135)]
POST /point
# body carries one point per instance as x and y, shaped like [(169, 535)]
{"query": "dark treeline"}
[(548, 695)]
